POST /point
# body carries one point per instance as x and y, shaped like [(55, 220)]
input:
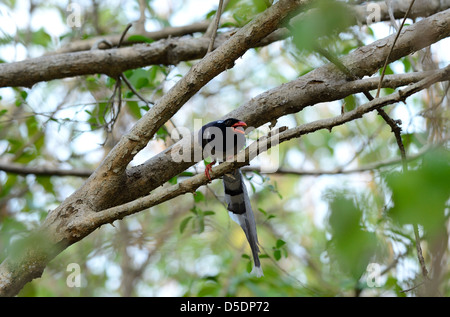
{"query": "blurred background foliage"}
[(319, 233)]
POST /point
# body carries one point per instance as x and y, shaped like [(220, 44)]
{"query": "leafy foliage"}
[(352, 246), (420, 196)]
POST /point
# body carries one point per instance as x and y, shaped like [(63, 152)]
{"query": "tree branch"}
[(21, 169), (172, 31), (215, 26)]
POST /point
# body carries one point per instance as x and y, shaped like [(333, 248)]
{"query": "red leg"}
[(208, 169)]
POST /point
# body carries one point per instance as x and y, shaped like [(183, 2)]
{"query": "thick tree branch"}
[(111, 62), (172, 31), (21, 169)]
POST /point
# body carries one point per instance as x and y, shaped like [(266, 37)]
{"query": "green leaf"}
[(184, 223), (243, 11), (162, 133), (200, 223), (23, 94), (274, 188), (388, 70), (40, 37), (419, 196), (11, 182), (134, 109), (406, 64), (245, 256), (262, 211), (152, 72), (173, 180), (350, 103), (260, 5), (327, 18), (249, 266), (210, 14), (198, 196), (277, 254), (353, 247), (141, 82), (135, 75), (137, 38), (210, 289), (207, 161), (228, 25), (195, 210), (45, 181), (280, 243)]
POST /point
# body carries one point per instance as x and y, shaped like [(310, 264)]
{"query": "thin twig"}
[(412, 288), (130, 86), (397, 130), (419, 252), (215, 27), (123, 34), (392, 48), (109, 125)]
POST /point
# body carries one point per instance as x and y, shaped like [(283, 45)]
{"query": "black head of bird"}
[(235, 124), (222, 138)]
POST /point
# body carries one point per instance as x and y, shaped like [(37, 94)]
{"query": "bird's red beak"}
[(237, 125)]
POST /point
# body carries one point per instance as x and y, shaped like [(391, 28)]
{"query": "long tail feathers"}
[(241, 212)]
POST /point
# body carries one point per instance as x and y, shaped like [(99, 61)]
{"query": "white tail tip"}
[(257, 270)]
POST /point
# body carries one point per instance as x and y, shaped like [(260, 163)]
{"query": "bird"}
[(219, 140)]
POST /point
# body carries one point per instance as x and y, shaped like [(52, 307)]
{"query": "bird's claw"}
[(208, 170)]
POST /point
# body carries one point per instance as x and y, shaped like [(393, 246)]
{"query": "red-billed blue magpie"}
[(222, 139)]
